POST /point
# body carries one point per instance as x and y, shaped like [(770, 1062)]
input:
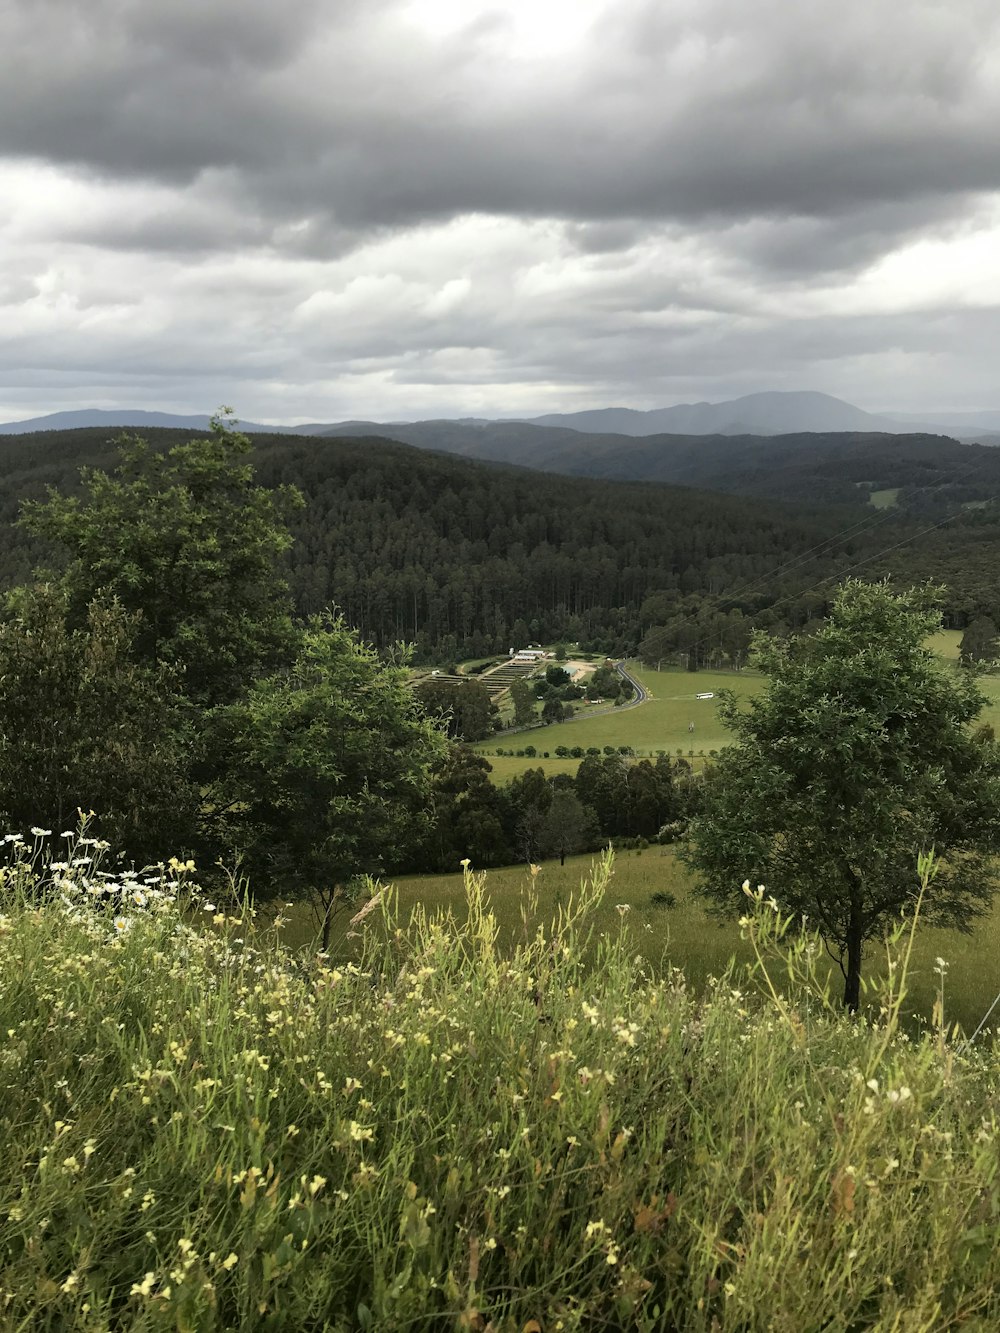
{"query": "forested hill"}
[(468, 558), (838, 467)]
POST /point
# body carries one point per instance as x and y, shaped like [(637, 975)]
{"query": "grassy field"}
[(659, 724), (449, 1130), (662, 722), (506, 767), (946, 643), (684, 935)]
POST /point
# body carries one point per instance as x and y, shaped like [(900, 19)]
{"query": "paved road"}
[(640, 695)]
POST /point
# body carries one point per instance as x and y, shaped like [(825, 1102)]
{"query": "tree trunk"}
[(855, 942), (562, 856), (329, 905)]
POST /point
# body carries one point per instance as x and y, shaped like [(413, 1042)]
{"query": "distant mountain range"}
[(133, 418), (918, 472), (754, 414), (774, 414)]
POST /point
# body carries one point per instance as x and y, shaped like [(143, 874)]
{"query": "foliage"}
[(464, 558), (604, 683), (523, 699), (326, 777), (463, 707), (82, 724), (857, 756), (979, 642), (628, 800), (529, 796), (469, 817), (188, 542), (568, 827), (552, 711), (202, 1131)]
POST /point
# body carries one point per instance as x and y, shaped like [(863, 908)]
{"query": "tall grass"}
[(205, 1131)]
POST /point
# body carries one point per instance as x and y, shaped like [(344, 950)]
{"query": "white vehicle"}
[(705, 696)]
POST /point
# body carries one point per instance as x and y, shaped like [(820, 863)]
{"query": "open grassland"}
[(679, 932), (659, 724), (946, 643), (453, 1131), (662, 722), (506, 767)]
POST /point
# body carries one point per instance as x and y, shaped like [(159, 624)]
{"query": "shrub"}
[(664, 898)]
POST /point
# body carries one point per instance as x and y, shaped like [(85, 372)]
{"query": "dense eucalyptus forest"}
[(464, 558)]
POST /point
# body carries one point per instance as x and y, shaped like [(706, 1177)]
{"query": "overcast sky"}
[(323, 209)]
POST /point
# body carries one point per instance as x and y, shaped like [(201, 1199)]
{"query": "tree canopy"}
[(187, 542), (84, 725), (858, 756), (328, 767)]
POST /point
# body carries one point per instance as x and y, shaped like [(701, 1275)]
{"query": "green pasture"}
[(884, 499), (506, 767), (946, 643), (659, 724), (662, 722), (684, 935)]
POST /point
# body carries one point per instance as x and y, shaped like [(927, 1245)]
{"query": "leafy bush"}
[(664, 898)]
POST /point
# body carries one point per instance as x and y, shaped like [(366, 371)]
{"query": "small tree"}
[(188, 541), (552, 711), (329, 771), (979, 642), (462, 707), (568, 827), (857, 756), (82, 725), (523, 699)]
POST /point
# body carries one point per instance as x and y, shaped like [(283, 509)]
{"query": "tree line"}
[(534, 817)]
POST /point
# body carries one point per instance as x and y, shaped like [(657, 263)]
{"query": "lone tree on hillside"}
[(327, 776), (858, 756)]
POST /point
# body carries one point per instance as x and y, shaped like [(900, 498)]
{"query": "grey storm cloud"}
[(669, 111), (667, 172)]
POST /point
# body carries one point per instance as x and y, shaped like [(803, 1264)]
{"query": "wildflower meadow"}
[(206, 1130)]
